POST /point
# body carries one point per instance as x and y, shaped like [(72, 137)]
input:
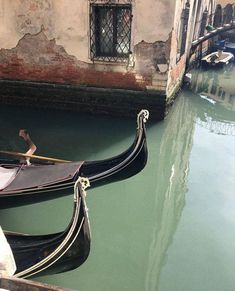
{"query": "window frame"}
[(95, 53)]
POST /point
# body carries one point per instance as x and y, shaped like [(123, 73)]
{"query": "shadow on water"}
[(63, 134)]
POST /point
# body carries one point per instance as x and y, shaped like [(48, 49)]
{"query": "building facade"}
[(110, 56)]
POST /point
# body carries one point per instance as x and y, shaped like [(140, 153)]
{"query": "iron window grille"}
[(110, 32)]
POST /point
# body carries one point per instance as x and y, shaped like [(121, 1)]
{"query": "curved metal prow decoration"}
[(84, 183), (80, 185), (59, 248), (142, 115)]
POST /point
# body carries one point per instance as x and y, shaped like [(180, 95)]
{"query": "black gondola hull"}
[(53, 253), (123, 166)]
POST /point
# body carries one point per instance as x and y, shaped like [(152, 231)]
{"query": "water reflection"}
[(208, 104), (217, 89), (217, 85), (144, 228), (171, 186), (207, 219)]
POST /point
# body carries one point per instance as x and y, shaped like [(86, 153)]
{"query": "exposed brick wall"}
[(178, 69), (36, 58), (150, 56)]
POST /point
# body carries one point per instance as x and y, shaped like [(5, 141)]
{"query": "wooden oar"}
[(16, 154)]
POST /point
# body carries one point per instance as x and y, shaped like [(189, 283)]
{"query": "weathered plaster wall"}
[(153, 20), (72, 27), (48, 40), (39, 59), (68, 22), (177, 65), (153, 24), (174, 47), (21, 17), (152, 61), (65, 21)]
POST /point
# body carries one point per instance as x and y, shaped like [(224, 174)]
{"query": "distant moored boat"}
[(217, 59)]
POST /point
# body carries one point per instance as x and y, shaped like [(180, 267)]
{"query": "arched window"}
[(228, 14), (218, 16)]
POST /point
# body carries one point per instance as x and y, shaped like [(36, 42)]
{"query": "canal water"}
[(169, 228)]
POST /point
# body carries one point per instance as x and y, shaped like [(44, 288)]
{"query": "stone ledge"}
[(81, 98)]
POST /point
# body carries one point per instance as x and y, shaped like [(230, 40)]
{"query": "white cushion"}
[(6, 176)]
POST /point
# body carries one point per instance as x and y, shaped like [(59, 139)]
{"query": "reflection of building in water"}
[(172, 160), (218, 127), (218, 86)]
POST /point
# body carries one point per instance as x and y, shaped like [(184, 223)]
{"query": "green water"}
[(169, 228)]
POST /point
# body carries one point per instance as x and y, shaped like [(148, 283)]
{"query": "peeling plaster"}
[(152, 57), (38, 49), (60, 51), (39, 59), (31, 14)]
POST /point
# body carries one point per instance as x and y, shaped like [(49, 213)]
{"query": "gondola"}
[(54, 253), (56, 179), (12, 284)]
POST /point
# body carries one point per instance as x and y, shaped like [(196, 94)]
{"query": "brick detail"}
[(36, 58)]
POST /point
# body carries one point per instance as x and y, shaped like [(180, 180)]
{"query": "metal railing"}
[(219, 18)]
